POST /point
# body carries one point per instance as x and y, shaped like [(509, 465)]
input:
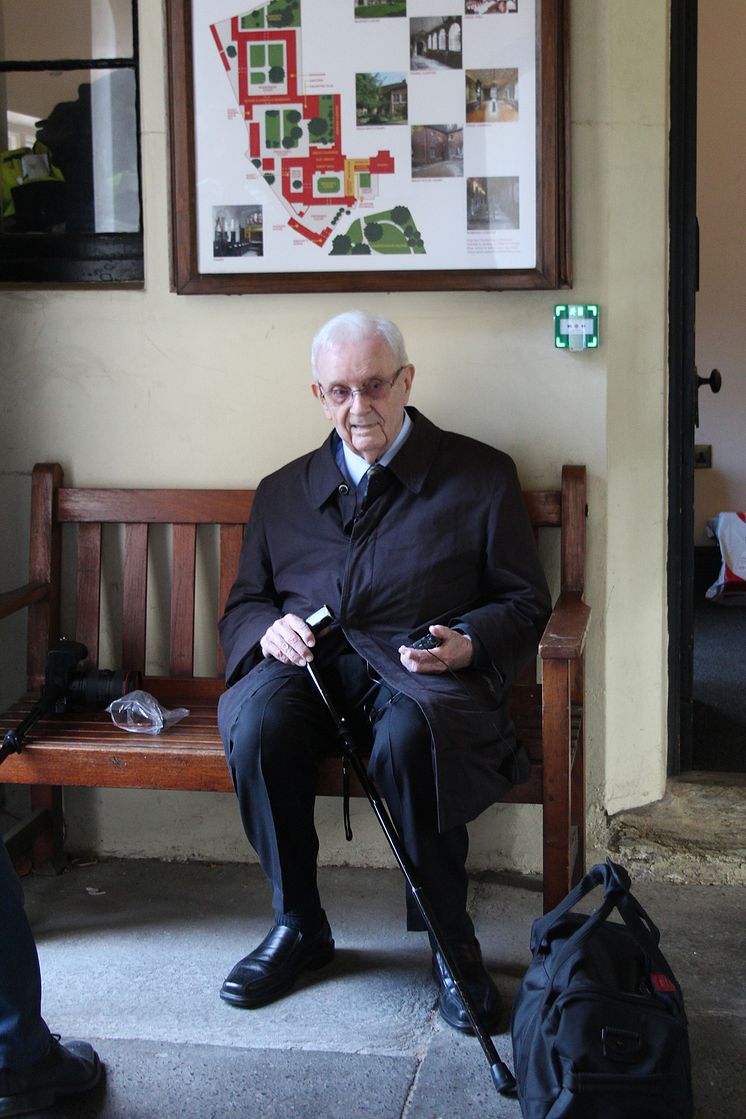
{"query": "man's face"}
[(368, 426)]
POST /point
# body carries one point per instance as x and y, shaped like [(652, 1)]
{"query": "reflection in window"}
[(69, 166)]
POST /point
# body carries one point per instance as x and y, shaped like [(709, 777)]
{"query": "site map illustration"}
[(330, 136)]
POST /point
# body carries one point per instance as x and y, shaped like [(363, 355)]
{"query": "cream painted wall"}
[(721, 209), (144, 387)]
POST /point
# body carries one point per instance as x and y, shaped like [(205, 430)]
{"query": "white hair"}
[(357, 325)]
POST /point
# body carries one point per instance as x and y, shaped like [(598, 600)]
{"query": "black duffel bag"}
[(598, 1024)]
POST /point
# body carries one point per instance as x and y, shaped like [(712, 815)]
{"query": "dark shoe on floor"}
[(478, 983), (67, 1068), (275, 965)]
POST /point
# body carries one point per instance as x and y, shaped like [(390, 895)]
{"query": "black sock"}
[(460, 931), (305, 922)]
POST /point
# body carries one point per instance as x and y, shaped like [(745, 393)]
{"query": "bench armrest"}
[(17, 599), (565, 633)]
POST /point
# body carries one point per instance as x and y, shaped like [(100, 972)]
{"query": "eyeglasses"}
[(374, 389)]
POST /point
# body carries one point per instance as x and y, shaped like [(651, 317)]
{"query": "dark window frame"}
[(80, 257)]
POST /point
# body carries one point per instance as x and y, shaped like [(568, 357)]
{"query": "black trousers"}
[(24, 1037), (274, 746)]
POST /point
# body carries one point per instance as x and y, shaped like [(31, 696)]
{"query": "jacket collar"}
[(411, 464)]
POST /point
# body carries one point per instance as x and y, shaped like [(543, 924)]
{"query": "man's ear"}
[(407, 378), (315, 389)]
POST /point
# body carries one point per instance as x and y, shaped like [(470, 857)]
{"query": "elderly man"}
[(403, 530), (35, 1068)]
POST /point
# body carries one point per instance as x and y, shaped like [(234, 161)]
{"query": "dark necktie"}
[(378, 479)]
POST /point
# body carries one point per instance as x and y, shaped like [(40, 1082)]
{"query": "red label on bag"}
[(662, 983)]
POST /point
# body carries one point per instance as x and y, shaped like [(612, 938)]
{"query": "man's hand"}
[(289, 640), (455, 651)]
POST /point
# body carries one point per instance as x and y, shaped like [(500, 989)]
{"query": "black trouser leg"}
[(273, 746), (401, 766), (273, 753), (24, 1037)]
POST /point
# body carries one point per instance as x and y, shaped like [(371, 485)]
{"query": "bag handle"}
[(639, 922), (617, 896), (615, 881)]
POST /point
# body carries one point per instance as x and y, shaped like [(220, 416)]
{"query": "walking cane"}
[(501, 1075)]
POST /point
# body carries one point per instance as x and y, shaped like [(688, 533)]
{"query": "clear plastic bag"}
[(141, 713)]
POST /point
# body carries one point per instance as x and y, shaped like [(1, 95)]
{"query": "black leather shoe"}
[(64, 1070), (275, 964), (479, 984)]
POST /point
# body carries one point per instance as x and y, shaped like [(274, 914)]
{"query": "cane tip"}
[(503, 1079)]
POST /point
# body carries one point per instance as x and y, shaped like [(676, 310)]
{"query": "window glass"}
[(81, 173), (69, 144), (81, 29)]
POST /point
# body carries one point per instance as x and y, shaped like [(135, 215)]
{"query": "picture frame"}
[(317, 148)]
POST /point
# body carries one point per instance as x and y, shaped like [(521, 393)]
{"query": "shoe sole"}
[(45, 1098), (323, 956)]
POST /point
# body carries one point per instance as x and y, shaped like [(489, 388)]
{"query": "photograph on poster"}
[(437, 151), (491, 96), (491, 7), (238, 231), (435, 43), (380, 99), (492, 203), (379, 9)]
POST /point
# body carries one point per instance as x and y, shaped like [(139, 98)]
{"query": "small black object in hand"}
[(429, 641)]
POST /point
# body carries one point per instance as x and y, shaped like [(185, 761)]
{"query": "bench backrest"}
[(90, 510)]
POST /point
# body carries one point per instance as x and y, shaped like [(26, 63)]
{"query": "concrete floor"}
[(696, 833), (133, 954)]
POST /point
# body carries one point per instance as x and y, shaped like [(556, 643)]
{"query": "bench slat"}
[(544, 508), (154, 506), (231, 539), (44, 567), (182, 599), (134, 596), (89, 588)]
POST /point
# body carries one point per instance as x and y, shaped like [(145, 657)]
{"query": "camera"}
[(65, 683), (83, 687)]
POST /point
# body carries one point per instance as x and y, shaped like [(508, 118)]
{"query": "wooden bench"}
[(69, 586)]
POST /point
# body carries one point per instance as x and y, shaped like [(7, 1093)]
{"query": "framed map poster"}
[(358, 145)]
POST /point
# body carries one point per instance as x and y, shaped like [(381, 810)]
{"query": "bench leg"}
[(19, 839), (48, 843), (561, 784)]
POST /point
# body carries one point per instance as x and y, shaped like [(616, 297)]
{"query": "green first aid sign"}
[(576, 326)]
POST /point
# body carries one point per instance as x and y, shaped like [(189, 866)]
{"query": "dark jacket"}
[(449, 542)]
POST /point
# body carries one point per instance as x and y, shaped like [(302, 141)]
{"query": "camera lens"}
[(96, 688)]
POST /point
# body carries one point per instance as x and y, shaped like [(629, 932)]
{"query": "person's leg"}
[(401, 767), (24, 1036), (35, 1068), (273, 745), (274, 739), (273, 749)]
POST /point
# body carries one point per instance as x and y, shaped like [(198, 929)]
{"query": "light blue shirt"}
[(355, 466)]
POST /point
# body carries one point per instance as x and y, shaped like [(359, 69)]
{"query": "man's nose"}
[(359, 400)]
